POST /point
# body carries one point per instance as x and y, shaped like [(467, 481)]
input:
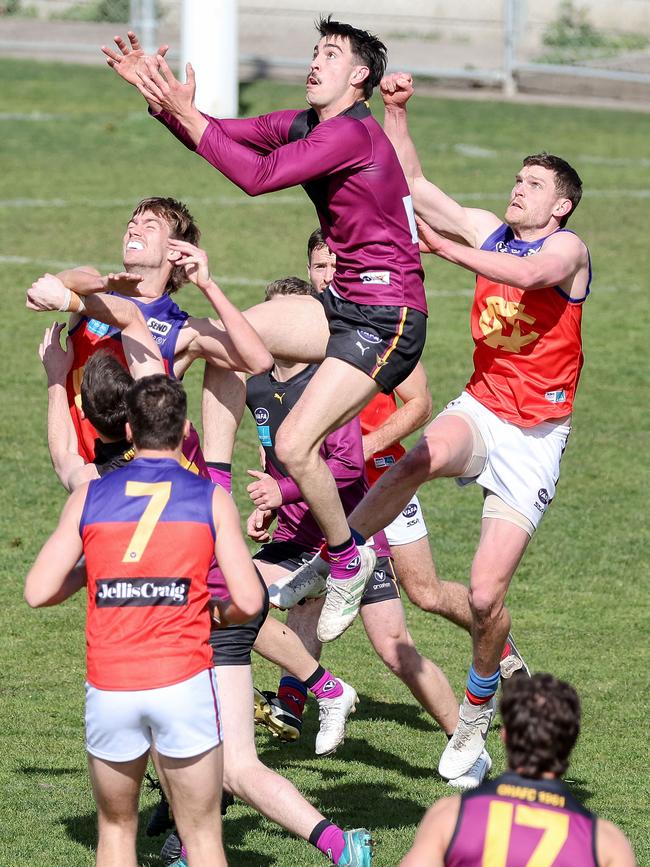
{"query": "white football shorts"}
[(181, 720), (408, 526), (523, 463)]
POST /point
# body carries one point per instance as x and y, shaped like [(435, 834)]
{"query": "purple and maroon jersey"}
[(148, 536), (164, 319), (270, 402), (514, 821), (350, 171)]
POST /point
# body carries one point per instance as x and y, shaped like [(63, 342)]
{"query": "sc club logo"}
[(501, 321)]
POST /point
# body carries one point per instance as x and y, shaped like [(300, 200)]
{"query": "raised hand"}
[(56, 360), (396, 89), (128, 58), (157, 83), (194, 260)]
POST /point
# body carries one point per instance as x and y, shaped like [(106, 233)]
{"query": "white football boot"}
[(333, 714), (468, 739), (344, 597)]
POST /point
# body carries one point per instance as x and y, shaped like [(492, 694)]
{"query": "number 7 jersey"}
[(148, 537)]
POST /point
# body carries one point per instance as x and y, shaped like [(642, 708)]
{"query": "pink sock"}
[(327, 687), (344, 560), (331, 843), (222, 478)]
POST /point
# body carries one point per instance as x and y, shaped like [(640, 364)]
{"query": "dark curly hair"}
[(541, 718)]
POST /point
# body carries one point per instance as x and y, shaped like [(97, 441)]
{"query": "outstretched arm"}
[(141, 351), (52, 578), (563, 261), (69, 466), (335, 145), (467, 225)]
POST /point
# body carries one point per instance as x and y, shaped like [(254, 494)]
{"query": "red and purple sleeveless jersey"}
[(164, 319), (350, 171), (148, 537), (372, 417), (528, 345), (270, 402), (515, 821)]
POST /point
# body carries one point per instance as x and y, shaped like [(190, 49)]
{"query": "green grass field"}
[(77, 152)]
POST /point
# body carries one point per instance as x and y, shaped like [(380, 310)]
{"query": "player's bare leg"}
[(244, 775), (116, 787), (386, 627), (335, 394), (293, 327), (222, 406), (279, 643), (444, 450), (418, 577), (282, 646), (501, 547), (303, 620), (194, 786), (499, 552)]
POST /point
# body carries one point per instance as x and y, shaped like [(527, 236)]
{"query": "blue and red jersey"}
[(148, 537), (528, 345), (350, 171), (514, 821), (164, 319)]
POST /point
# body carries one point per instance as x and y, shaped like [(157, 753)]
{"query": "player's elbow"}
[(261, 362), (34, 598)]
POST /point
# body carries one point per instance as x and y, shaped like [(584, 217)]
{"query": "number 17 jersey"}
[(515, 821)]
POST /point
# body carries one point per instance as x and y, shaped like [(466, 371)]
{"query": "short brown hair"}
[(366, 47), (289, 286), (181, 226), (541, 718), (156, 409), (315, 242), (567, 180), (104, 386)]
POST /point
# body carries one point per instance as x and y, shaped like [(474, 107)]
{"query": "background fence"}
[(598, 48)]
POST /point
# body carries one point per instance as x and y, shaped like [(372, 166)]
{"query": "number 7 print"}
[(160, 493)]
